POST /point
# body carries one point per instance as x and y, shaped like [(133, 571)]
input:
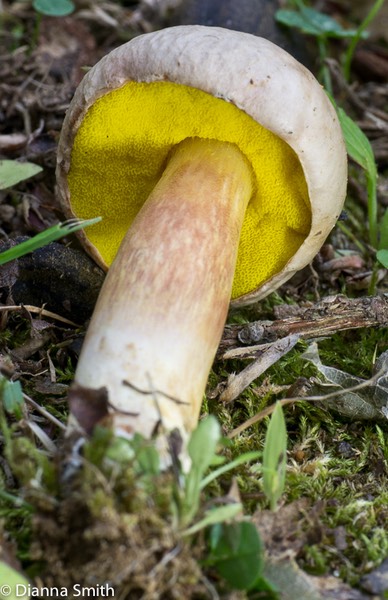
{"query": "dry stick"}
[(44, 412), (38, 310), (238, 383), (333, 314)]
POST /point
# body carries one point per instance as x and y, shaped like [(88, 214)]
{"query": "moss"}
[(335, 465), (338, 466), (16, 333), (354, 351)]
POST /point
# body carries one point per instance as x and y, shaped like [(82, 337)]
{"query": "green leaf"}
[(312, 22), (12, 397), (360, 150), (45, 237), (382, 257), (357, 144), (13, 172), (291, 18), (214, 516), (237, 553), (203, 443), (325, 24), (275, 456), (9, 580), (149, 460), (201, 448), (120, 450), (54, 8), (240, 460)]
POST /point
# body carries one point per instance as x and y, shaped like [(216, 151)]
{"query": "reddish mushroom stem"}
[(161, 312)]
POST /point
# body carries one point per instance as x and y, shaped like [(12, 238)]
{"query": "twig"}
[(37, 310), (238, 383), (333, 314), (44, 412)]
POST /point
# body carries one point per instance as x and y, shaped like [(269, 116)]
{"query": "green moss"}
[(337, 465), (354, 351)]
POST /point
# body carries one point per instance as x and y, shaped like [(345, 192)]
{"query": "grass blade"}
[(45, 237)]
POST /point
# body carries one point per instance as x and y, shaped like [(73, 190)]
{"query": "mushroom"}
[(219, 168)]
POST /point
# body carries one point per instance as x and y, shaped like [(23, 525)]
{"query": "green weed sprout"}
[(13, 172), (360, 150), (202, 452), (236, 549), (275, 457)]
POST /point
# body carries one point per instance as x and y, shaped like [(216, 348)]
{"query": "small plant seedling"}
[(312, 22), (49, 8), (13, 172), (202, 448), (54, 8), (275, 457)]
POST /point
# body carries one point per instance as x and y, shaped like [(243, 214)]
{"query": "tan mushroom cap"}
[(252, 74)]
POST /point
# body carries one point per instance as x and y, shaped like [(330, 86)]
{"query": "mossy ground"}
[(339, 466), (93, 518)]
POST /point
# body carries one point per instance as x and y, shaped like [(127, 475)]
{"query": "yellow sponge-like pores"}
[(121, 148)]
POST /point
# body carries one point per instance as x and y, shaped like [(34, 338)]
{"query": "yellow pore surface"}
[(121, 148)]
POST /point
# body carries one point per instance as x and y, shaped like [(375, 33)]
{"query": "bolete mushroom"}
[(218, 165)]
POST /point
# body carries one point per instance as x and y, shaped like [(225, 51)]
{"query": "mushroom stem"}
[(160, 315)]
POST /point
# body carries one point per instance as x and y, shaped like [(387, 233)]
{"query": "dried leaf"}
[(88, 406), (349, 395)]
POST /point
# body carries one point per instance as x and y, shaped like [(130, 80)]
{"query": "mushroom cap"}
[(254, 75)]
